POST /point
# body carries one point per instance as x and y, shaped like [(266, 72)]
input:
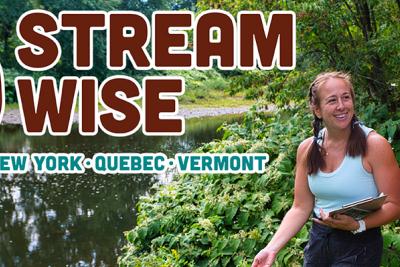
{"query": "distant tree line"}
[(11, 10)]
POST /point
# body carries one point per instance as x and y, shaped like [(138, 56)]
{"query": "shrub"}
[(225, 219)]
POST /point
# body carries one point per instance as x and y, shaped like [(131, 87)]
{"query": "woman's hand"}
[(264, 258), (339, 221)]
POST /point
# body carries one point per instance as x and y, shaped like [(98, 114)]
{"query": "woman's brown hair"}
[(357, 143)]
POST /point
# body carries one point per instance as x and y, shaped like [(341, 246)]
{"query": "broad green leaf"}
[(230, 213), (248, 246)]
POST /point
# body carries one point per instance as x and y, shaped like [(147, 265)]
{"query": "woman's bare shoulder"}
[(305, 144), (375, 142), (379, 150), (303, 148)]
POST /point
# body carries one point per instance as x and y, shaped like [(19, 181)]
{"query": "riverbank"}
[(13, 116)]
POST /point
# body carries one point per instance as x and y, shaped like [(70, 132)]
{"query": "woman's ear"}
[(317, 112)]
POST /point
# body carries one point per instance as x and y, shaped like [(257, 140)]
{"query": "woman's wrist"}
[(361, 227), (355, 226), (272, 247)]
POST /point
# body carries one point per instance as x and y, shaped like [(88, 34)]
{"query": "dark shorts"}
[(338, 248)]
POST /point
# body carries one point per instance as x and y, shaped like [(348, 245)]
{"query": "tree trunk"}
[(363, 13), (377, 82), (6, 46), (398, 4)]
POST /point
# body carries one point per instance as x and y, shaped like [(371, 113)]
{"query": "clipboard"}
[(361, 208)]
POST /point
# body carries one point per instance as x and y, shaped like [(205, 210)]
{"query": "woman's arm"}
[(387, 178), (297, 216), (303, 202)]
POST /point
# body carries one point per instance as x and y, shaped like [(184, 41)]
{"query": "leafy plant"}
[(223, 220)]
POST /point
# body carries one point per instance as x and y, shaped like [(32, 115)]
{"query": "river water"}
[(79, 219)]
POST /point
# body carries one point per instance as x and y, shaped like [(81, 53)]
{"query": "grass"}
[(215, 99), (11, 106)]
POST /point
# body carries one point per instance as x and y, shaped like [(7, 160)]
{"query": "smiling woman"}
[(343, 162), (334, 107)]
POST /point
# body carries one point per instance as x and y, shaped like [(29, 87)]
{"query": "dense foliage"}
[(11, 10), (357, 36), (204, 85), (223, 220)]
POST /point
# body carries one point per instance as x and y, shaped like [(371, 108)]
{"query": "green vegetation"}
[(217, 99), (201, 84), (11, 10), (208, 89), (223, 220), (203, 88)]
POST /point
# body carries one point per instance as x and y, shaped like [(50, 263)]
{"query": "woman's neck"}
[(337, 136)]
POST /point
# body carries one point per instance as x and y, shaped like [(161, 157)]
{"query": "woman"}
[(342, 163)]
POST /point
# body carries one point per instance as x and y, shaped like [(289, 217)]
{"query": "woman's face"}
[(336, 107)]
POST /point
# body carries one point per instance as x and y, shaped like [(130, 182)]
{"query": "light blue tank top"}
[(348, 183)]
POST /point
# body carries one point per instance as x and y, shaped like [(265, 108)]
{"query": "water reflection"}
[(78, 219)]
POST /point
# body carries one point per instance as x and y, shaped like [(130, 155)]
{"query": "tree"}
[(8, 19), (357, 36)]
